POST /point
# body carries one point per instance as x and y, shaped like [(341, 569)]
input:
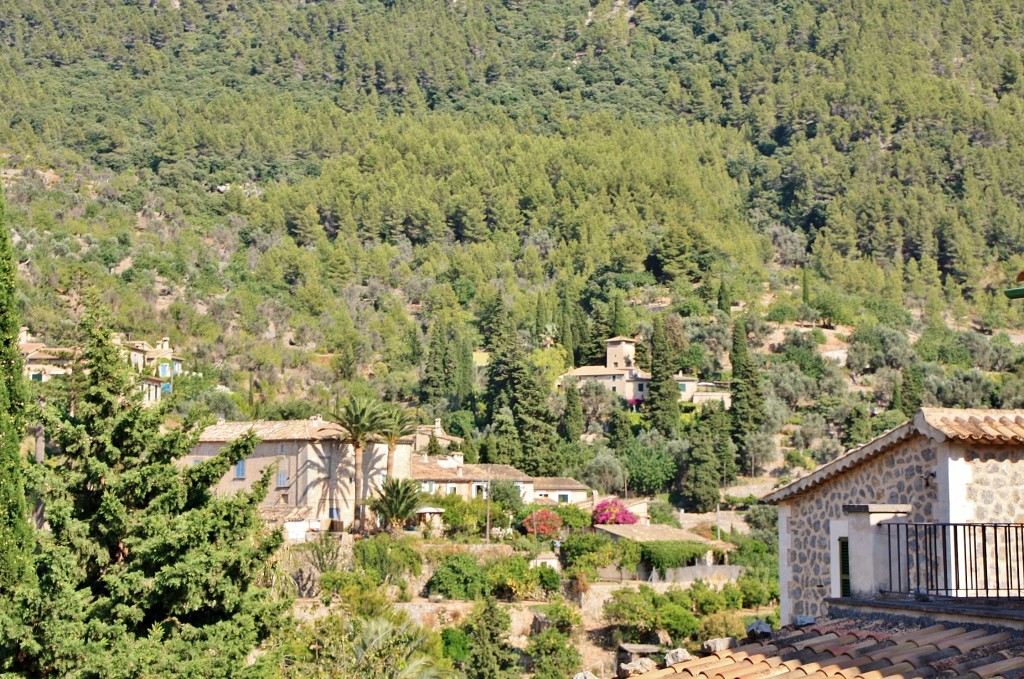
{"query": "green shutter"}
[(844, 567)]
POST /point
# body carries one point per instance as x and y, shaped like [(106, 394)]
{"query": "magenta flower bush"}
[(612, 511)]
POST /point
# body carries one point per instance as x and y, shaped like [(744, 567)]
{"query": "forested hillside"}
[(311, 195)]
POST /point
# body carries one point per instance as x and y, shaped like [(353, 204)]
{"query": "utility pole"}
[(488, 506)]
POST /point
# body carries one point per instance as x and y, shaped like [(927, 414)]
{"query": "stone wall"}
[(899, 476), (997, 486)]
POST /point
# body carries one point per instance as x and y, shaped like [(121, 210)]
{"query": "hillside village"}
[(476, 340)]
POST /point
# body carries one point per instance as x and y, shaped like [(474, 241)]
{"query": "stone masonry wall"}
[(895, 477), (997, 489)]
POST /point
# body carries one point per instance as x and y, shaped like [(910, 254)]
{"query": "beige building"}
[(156, 366), (312, 468), (560, 489), (930, 509), (621, 376), (449, 475)]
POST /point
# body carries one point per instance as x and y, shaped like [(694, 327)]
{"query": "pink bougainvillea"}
[(612, 511), (543, 522)]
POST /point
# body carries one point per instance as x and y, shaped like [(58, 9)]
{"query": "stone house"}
[(928, 510), (621, 376)]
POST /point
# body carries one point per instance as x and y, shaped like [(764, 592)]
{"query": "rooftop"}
[(986, 427), (283, 430), (656, 533), (448, 469), (846, 648), (558, 483)]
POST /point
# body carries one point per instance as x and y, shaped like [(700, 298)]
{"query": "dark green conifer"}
[(572, 427), (15, 533), (490, 655), (747, 410), (663, 401), (144, 569)]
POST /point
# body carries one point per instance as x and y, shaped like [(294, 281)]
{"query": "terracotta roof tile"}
[(856, 649), (558, 483), (284, 430)]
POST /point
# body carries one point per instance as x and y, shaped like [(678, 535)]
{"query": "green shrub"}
[(635, 610), (459, 577), (754, 592), (679, 622), (386, 560), (552, 655), (562, 615), (663, 513), (718, 625), (573, 518), (511, 578), (733, 596), (577, 545), (455, 644), (548, 578), (706, 600)]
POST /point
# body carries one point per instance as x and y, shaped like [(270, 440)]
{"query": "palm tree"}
[(361, 419), (397, 502), (396, 424)]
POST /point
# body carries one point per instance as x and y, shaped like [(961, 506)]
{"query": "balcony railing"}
[(977, 560)]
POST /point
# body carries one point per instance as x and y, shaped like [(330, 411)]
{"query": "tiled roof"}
[(284, 430), (852, 649), (982, 426), (990, 427), (445, 469), (275, 514), (656, 533), (620, 338), (558, 483)]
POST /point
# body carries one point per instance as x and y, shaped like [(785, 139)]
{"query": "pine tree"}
[(572, 427), (714, 419), (434, 448), (436, 383), (144, 569), (490, 655), (513, 384), (504, 446), (747, 411), (15, 533), (663, 401)]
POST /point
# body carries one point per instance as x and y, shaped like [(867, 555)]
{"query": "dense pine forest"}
[(340, 197)]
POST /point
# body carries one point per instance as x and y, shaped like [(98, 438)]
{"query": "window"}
[(640, 387), (614, 389), (240, 469), (563, 497), (195, 462), (165, 370), (282, 478), (37, 377), (844, 567), (452, 489), (333, 513)]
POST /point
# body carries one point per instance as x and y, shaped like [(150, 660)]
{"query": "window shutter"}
[(844, 567)]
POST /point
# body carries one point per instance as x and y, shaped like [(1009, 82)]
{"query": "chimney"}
[(459, 472), (459, 459), (437, 428), (426, 458), (23, 336), (593, 497), (165, 343)]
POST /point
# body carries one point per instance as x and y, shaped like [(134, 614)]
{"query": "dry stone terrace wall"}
[(896, 477), (997, 486)]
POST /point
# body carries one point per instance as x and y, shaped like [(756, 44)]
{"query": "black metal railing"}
[(979, 560)]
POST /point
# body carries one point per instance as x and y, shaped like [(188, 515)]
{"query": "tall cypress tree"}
[(572, 427), (663, 401), (15, 533), (747, 411)]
